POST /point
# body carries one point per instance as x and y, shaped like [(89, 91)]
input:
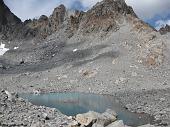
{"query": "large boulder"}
[(104, 119), (87, 119), (107, 117), (117, 124), (97, 125)]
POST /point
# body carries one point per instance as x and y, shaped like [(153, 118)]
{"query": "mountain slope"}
[(106, 19), (11, 27), (105, 50), (8, 22)]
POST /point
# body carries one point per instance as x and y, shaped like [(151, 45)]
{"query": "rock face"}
[(165, 29), (11, 27), (6, 17), (106, 16), (45, 26), (8, 21)]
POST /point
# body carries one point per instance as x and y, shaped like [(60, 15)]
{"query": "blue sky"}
[(155, 12)]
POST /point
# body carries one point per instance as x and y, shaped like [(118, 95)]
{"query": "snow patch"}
[(3, 50), (75, 50), (16, 48)]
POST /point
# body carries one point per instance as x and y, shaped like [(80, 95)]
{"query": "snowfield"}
[(3, 50)]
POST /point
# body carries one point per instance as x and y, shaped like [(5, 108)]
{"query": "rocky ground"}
[(101, 69), (16, 112), (101, 51)]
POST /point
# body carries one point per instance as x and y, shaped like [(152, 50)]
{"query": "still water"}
[(74, 103)]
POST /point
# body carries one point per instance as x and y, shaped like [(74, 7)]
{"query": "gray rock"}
[(97, 125), (111, 112), (38, 124), (148, 125), (45, 116), (117, 124), (73, 123), (10, 97), (91, 117), (106, 118), (87, 119)]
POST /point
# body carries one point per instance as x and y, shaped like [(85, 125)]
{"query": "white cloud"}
[(89, 3), (148, 8), (162, 23)]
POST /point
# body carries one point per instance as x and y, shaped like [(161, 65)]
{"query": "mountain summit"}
[(7, 17), (165, 29), (9, 23)]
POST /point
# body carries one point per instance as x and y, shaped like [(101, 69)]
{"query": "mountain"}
[(106, 18), (106, 50), (165, 29), (109, 19), (8, 21), (102, 16), (6, 17), (11, 27)]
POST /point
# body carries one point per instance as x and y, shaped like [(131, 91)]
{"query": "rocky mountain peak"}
[(103, 16), (6, 17), (165, 29), (110, 6), (106, 16), (57, 17), (10, 25)]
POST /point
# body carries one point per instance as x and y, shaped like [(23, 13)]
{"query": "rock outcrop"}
[(45, 26), (11, 27), (165, 29), (6, 17), (106, 16), (8, 22)]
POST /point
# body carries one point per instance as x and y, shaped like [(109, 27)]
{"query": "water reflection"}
[(75, 103)]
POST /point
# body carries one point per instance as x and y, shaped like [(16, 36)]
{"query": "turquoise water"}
[(74, 103)]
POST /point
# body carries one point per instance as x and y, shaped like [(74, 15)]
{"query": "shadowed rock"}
[(165, 29)]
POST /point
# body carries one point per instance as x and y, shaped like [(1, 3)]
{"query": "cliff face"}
[(106, 15), (11, 27), (7, 17), (45, 26), (9, 23)]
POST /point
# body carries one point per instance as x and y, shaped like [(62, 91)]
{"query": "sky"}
[(154, 12)]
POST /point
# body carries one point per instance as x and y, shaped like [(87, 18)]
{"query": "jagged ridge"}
[(165, 29), (103, 16)]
